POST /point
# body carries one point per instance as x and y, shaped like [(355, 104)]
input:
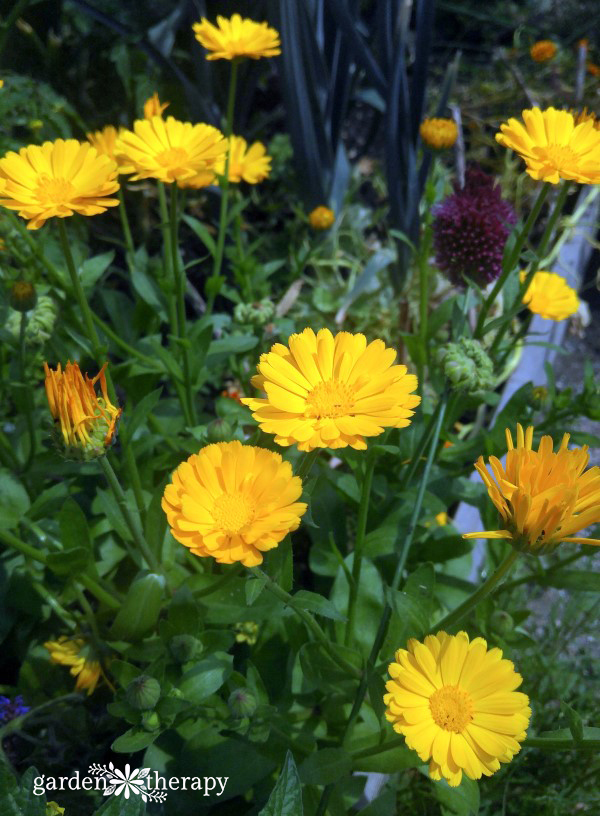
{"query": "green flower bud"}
[(23, 296), (40, 322), (242, 703), (466, 365), (219, 430), (183, 648), (176, 693), (501, 622), (150, 721), (143, 693), (257, 314)]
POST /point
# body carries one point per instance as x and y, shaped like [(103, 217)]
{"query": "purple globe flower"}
[(470, 229), (9, 709)]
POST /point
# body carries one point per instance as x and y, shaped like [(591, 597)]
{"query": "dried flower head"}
[(543, 50), (438, 133)]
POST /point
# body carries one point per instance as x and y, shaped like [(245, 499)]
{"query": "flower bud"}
[(150, 721), (23, 296), (258, 313), (466, 365), (321, 218), (242, 703), (219, 430), (501, 622), (52, 809), (183, 648), (143, 693)]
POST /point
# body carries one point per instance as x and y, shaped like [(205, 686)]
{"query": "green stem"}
[(363, 512), (213, 284), (560, 743), (28, 402), (179, 278), (130, 248), (452, 618), (167, 252), (507, 586), (32, 552), (131, 520), (308, 620), (424, 288), (307, 462), (512, 259), (16, 724), (118, 341), (219, 583), (397, 742)]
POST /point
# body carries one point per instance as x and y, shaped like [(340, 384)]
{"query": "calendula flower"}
[(321, 218), (79, 655), (237, 37), (542, 51), (331, 392), (592, 68), (550, 296), (170, 150), (543, 497), (154, 107), (104, 141), (455, 702), (438, 133), (57, 179), (249, 164), (233, 502), (585, 115), (86, 423), (553, 146)]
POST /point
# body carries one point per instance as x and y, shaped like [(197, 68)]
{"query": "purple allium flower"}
[(470, 229), (9, 709)]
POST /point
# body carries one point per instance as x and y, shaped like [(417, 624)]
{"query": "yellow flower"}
[(585, 115), (249, 164), (77, 654), (553, 147), (326, 392), (104, 141), (57, 179), (233, 502), (87, 422), (544, 498), (169, 150), (321, 218), (237, 37), (456, 704), (550, 296), (246, 632), (438, 133), (154, 107), (542, 50)]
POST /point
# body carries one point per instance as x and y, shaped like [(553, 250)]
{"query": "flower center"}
[(173, 157), (54, 191), (232, 511), (561, 156), (330, 399), (451, 708)]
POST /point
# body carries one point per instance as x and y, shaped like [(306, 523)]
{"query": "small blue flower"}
[(10, 709)]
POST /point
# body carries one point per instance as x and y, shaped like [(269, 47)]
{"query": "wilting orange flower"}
[(237, 37), (87, 422), (592, 68), (154, 107), (544, 498), (542, 51)]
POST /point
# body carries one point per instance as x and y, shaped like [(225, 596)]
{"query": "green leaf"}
[(367, 281), (325, 767), (206, 677), (93, 268), (234, 344), (183, 615), (140, 413), (321, 668), (140, 610), (8, 792), (317, 604), (571, 579), (575, 722), (147, 289), (286, 796), (14, 501), (392, 761), (369, 602), (460, 801), (135, 739), (69, 562), (118, 806), (124, 672), (201, 232), (73, 525), (30, 803), (253, 588)]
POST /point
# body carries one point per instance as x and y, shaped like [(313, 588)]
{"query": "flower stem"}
[(512, 259), (132, 521), (363, 511), (452, 618), (129, 245), (28, 402), (167, 252), (307, 463), (213, 284)]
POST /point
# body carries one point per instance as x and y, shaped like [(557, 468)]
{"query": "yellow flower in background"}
[(104, 141), (321, 218), (77, 654), (233, 502), (438, 133), (237, 37), (331, 392), (57, 179), (170, 150), (455, 702), (585, 115), (550, 296), (87, 422), (1, 83), (154, 107), (553, 146), (542, 51), (249, 164), (544, 498)]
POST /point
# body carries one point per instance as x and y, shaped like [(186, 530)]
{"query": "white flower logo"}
[(127, 782)]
